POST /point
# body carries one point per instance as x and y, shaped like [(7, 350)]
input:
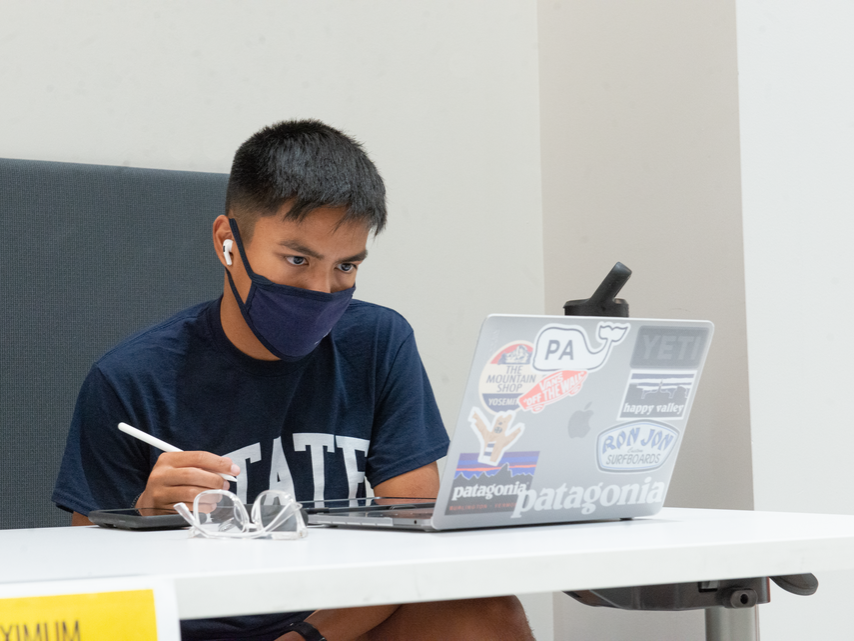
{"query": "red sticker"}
[(551, 389)]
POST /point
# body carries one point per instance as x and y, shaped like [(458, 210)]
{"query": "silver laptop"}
[(564, 418)]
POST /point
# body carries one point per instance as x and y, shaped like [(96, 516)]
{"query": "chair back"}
[(88, 255)]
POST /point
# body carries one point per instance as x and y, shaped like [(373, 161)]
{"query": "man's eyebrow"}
[(357, 258), (302, 249)]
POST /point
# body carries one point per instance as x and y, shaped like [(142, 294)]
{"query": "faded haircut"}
[(306, 164)]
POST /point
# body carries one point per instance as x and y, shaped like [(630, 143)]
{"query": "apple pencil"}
[(160, 445)]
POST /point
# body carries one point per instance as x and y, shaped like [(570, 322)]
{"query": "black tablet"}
[(143, 518)]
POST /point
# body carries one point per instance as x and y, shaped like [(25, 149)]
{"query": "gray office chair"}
[(728, 604), (89, 254)]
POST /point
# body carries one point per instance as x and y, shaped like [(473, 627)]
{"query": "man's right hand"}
[(178, 477)]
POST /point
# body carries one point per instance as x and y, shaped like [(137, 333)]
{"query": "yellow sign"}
[(100, 616)]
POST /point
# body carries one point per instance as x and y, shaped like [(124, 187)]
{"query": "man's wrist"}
[(306, 630)]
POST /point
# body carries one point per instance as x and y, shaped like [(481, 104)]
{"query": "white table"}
[(340, 568)]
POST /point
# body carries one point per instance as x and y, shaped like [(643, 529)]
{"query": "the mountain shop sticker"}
[(636, 446), (507, 376)]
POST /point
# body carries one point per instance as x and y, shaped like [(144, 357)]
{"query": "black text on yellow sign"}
[(99, 616)]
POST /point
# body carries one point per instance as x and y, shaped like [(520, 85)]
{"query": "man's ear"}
[(223, 241)]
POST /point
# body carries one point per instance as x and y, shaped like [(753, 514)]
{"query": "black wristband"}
[(306, 630)]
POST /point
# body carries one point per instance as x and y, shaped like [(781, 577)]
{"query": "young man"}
[(285, 382)]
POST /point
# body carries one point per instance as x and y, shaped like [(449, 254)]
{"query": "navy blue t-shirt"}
[(358, 406)]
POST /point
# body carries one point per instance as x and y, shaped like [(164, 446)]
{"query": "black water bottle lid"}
[(604, 301)]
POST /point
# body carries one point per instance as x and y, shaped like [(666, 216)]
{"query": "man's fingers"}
[(194, 476), (203, 460), (178, 477)]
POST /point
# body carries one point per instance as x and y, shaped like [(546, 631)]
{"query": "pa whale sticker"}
[(636, 446), (561, 347)]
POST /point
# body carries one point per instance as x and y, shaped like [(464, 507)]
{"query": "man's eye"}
[(347, 267), (296, 260)]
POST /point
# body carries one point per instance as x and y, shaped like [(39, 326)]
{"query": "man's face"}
[(316, 253)]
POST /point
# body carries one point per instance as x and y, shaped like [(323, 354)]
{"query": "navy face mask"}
[(289, 321)]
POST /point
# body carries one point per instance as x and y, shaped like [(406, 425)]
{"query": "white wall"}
[(639, 104), (639, 112), (443, 94), (796, 66)]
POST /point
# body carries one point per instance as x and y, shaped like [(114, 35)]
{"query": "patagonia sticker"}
[(480, 488)]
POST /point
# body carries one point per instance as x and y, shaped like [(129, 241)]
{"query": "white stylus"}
[(160, 445)]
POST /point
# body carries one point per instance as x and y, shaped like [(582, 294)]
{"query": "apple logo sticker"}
[(579, 422)]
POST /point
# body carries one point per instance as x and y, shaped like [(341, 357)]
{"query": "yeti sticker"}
[(495, 437), (637, 446), (559, 347)]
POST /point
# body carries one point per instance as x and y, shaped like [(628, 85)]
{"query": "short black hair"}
[(309, 165)]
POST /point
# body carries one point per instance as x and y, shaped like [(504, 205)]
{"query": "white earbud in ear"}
[(226, 250)]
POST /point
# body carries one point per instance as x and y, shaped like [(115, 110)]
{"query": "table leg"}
[(732, 624)]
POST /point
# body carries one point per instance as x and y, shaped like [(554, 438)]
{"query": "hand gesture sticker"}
[(495, 439)]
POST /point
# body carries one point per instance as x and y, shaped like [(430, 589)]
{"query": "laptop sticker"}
[(507, 376), (587, 499), (561, 347), (479, 488), (496, 436), (551, 389), (657, 394), (567, 349), (670, 348), (636, 446)]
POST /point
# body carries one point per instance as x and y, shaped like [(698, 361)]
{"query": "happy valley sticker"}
[(657, 394)]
